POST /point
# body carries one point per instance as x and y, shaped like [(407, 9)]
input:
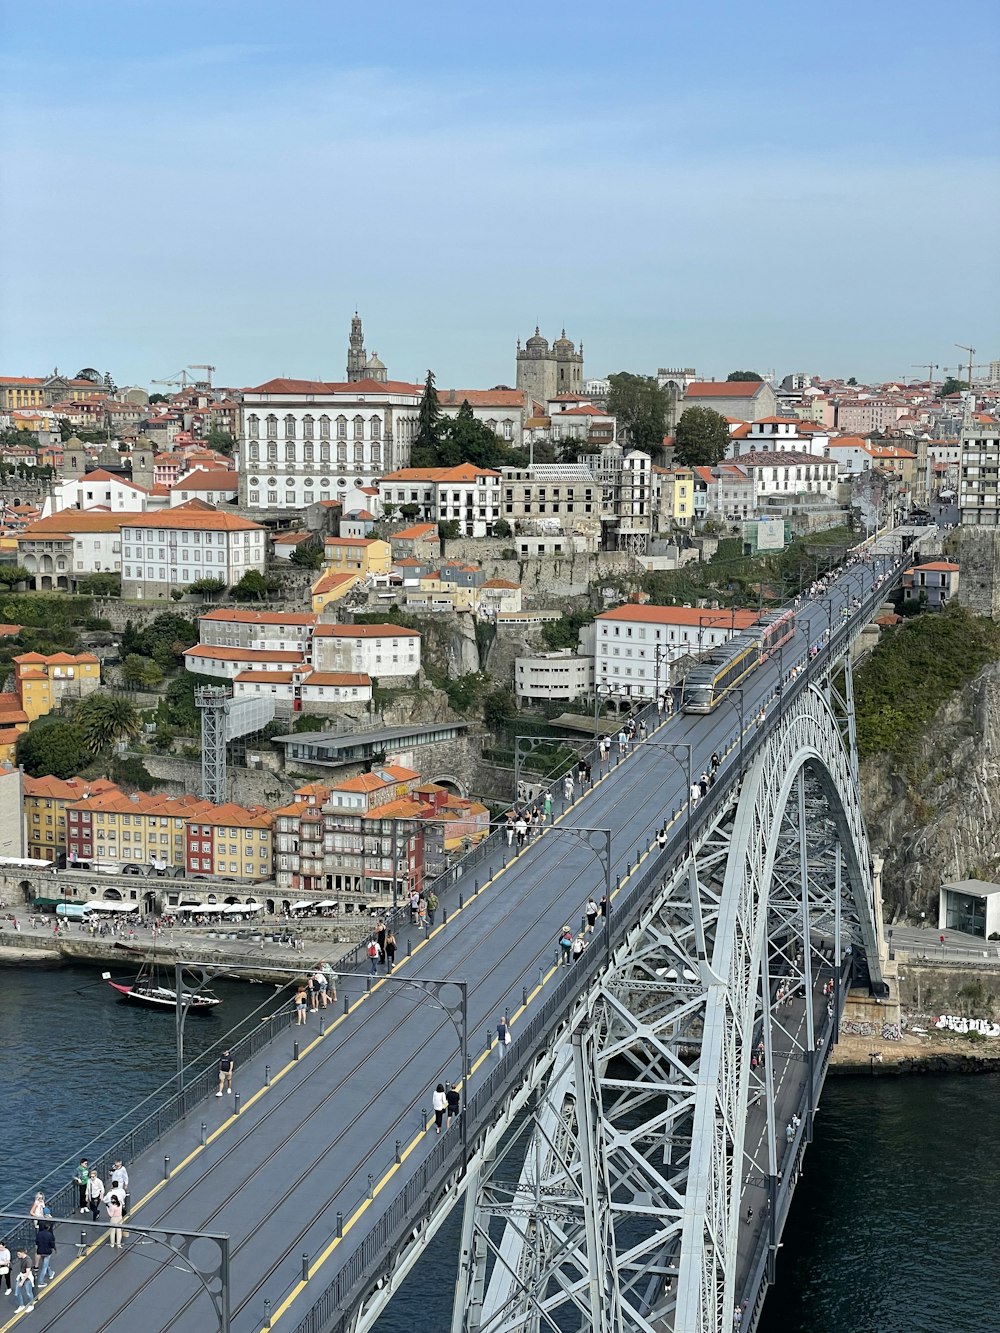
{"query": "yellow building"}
[(21, 392), (43, 682), (331, 587), (437, 592), (115, 827), (357, 555), (232, 841), (676, 491), (45, 802)]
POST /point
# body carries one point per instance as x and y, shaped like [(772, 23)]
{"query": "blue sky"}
[(781, 186)]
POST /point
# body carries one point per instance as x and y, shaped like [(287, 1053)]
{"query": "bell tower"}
[(356, 355)]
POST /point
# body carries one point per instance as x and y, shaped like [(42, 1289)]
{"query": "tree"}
[(702, 438), (308, 554), (105, 584), (852, 380), (428, 418), (142, 672), (741, 376), (53, 747), (449, 529), (501, 528), (158, 398), (952, 385), (409, 511), (388, 511), (208, 587), (463, 439), (640, 407), (13, 574), (221, 441), (251, 587), (106, 719)]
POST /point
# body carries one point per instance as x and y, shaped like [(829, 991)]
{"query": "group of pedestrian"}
[(313, 993), (524, 822), (423, 913), (446, 1103), (791, 1128), (382, 945)]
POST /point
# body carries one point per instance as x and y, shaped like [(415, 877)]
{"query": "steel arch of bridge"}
[(623, 1212)]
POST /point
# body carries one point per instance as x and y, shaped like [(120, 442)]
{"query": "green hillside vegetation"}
[(912, 672)]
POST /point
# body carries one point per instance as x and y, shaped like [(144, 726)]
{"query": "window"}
[(272, 427), (308, 423), (289, 427), (289, 453), (359, 453), (254, 453), (359, 428), (376, 451), (253, 426), (341, 428), (342, 455), (376, 428), (324, 453)]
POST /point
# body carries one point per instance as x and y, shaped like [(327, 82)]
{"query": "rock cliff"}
[(939, 821)]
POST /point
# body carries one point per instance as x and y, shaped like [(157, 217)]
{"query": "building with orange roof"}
[(329, 587), (747, 400), (60, 549), (227, 662), (373, 838), (634, 646), (215, 485), (179, 831), (170, 550), (465, 494), (43, 682), (364, 556), (383, 650), (418, 541), (286, 631), (934, 583), (300, 689), (45, 800)]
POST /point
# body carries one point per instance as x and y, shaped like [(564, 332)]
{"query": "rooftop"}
[(680, 615)]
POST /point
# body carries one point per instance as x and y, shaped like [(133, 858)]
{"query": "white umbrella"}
[(112, 907)]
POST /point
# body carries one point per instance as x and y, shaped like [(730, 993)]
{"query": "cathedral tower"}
[(544, 372)]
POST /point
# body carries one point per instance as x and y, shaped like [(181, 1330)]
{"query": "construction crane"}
[(209, 369), (972, 353), (930, 367), (178, 378)]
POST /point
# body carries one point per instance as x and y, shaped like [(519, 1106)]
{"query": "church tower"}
[(544, 372), (356, 355)]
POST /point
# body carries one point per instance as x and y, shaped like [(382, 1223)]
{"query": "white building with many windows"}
[(468, 494), (634, 645), (306, 440), (373, 650), (170, 550)]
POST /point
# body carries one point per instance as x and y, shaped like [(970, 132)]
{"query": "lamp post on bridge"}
[(670, 747), (609, 692)]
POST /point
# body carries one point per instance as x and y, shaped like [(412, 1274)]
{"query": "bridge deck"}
[(321, 1140)]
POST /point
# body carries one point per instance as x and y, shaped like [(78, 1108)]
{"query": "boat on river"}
[(147, 988)]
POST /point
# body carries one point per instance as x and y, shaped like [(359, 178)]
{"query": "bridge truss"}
[(612, 1201)]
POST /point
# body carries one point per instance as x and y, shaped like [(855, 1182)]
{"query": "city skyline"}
[(686, 187)]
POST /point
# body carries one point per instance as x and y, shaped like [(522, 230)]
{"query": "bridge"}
[(627, 1162)]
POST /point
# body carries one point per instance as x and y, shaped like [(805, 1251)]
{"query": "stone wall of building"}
[(547, 578), (977, 551)]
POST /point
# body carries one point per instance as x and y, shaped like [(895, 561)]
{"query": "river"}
[(894, 1222)]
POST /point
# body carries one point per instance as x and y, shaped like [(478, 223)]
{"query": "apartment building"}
[(45, 801), (286, 631), (168, 551), (42, 681), (371, 650), (979, 476), (60, 549), (183, 831), (468, 495), (363, 556)]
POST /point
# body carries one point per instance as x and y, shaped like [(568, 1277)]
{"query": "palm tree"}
[(107, 719)]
